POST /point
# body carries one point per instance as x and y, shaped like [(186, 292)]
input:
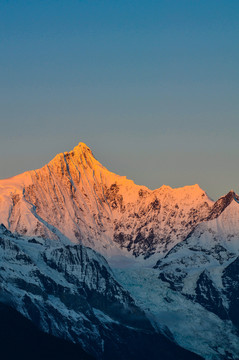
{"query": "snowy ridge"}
[(213, 245)]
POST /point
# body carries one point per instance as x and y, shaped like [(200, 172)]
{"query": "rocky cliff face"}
[(70, 292), (21, 339)]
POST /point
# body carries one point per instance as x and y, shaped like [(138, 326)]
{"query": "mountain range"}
[(122, 271)]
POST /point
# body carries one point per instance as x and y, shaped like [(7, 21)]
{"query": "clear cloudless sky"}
[(151, 86)]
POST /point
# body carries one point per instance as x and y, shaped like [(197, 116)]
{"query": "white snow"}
[(192, 326)]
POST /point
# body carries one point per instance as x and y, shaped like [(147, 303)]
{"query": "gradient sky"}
[(151, 86)]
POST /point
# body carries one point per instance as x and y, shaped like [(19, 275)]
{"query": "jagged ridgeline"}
[(74, 198)]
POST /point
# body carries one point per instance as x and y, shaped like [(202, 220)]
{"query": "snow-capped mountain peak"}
[(73, 202), (74, 198)]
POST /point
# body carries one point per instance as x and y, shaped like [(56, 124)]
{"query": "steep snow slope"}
[(193, 326), (212, 246), (69, 291), (74, 198)]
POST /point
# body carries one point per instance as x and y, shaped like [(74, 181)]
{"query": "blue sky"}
[(151, 86)]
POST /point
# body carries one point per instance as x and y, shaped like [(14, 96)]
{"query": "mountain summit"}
[(76, 199)]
